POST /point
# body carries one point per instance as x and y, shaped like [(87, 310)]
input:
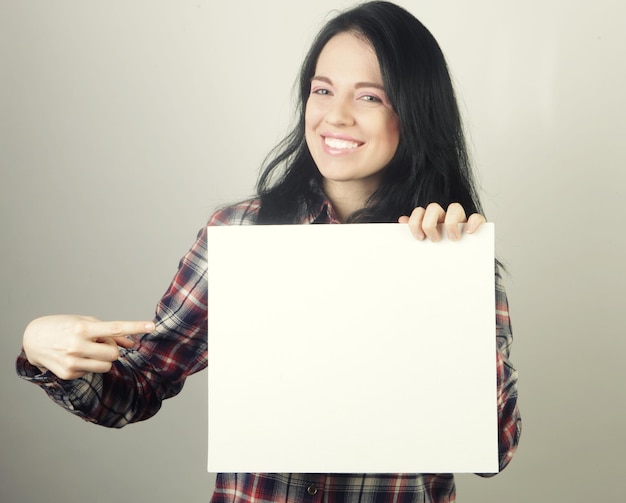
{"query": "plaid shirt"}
[(158, 364)]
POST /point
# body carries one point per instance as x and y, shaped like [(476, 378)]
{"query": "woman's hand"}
[(71, 346), (423, 222)]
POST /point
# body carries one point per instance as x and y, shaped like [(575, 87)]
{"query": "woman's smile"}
[(339, 144)]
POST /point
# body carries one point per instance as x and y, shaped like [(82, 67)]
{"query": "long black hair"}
[(431, 162)]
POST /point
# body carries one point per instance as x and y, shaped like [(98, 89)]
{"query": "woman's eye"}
[(372, 99), (320, 91)]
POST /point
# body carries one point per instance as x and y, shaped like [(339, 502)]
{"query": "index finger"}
[(95, 329)]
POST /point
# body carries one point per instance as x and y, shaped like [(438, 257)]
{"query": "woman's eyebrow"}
[(322, 78), (369, 84), (358, 85)]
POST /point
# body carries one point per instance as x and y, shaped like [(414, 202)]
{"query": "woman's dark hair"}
[(431, 162)]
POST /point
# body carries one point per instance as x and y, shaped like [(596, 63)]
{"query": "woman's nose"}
[(340, 113)]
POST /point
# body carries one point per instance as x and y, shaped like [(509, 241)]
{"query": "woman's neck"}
[(348, 197)]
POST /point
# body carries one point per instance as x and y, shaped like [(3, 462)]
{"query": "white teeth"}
[(340, 144)]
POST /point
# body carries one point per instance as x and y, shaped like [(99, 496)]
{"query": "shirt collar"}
[(321, 209)]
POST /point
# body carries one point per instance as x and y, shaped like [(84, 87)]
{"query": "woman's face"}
[(351, 129)]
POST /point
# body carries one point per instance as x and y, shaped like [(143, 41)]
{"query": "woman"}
[(378, 139)]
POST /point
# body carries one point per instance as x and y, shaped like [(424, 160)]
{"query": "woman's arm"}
[(423, 224), (509, 420), (75, 359)]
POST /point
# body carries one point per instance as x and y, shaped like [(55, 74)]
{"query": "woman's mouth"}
[(339, 145)]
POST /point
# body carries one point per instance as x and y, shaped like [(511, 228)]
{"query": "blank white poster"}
[(350, 348)]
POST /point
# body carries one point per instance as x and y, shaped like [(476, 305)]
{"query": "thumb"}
[(124, 342)]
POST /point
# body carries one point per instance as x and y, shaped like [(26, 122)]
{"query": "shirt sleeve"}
[(155, 368), (509, 420)]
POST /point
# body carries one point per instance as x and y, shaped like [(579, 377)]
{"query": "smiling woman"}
[(351, 128), (376, 71), (378, 139)]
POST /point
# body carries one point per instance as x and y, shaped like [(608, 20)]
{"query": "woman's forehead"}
[(351, 56)]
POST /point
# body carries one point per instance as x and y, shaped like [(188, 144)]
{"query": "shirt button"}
[(312, 490)]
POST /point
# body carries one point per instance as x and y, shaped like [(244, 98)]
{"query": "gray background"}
[(123, 124)]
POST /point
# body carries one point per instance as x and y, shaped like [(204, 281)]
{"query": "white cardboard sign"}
[(350, 348)]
